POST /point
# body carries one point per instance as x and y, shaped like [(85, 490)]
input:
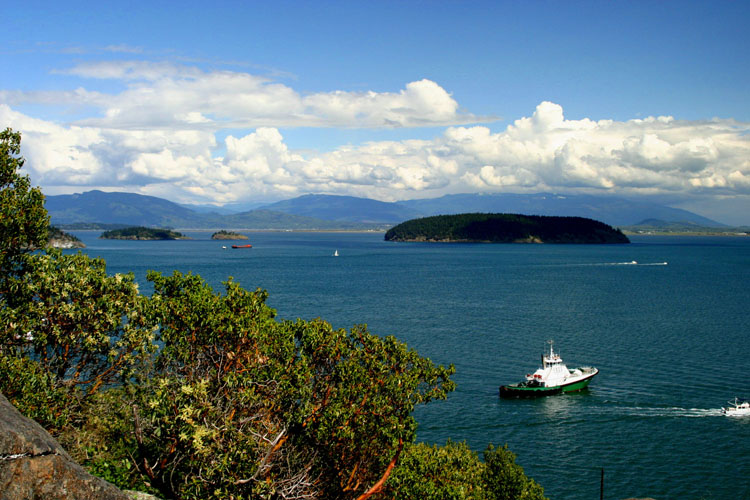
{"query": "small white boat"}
[(336, 253), (738, 408)]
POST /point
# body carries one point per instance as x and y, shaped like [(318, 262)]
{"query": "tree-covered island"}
[(227, 235), (142, 233), (505, 228)]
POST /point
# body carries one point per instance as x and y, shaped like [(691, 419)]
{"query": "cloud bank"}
[(172, 131)]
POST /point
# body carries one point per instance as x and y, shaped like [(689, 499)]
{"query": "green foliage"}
[(141, 233), (455, 472), (255, 406), (82, 326), (362, 391), (450, 472), (34, 392), (102, 438), (504, 479), (23, 219), (505, 228)]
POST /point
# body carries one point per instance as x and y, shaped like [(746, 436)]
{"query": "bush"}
[(242, 405), (455, 472)]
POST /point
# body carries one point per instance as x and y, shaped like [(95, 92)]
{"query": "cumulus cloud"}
[(165, 95), (160, 135)]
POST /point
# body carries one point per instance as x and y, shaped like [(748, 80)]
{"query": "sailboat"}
[(336, 253)]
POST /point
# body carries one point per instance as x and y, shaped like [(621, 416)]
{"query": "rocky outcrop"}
[(33, 465), (63, 243), (58, 238)]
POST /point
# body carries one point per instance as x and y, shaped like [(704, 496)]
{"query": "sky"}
[(242, 102)]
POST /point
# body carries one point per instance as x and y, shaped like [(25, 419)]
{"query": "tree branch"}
[(379, 485)]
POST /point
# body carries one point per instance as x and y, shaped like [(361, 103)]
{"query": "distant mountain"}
[(116, 208), (129, 209), (613, 211), (328, 212), (346, 208), (269, 219), (229, 208)]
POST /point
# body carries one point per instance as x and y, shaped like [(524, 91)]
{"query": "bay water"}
[(665, 319)]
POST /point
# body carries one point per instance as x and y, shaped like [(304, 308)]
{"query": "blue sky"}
[(261, 101)]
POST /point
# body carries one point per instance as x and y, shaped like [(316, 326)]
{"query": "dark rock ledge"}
[(33, 465)]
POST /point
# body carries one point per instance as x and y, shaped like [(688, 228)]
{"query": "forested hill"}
[(505, 228)]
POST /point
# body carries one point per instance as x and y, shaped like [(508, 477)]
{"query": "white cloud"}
[(421, 103), (159, 136), (166, 95)]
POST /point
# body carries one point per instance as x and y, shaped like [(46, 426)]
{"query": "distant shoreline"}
[(203, 230), (685, 233), (374, 231)]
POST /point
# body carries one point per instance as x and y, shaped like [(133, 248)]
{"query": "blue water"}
[(669, 335)]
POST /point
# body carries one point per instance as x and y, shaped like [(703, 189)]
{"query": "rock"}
[(33, 465), (60, 243)]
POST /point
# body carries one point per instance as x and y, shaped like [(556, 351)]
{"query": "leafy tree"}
[(23, 219), (34, 391), (67, 329), (504, 479), (81, 331), (82, 326), (243, 405), (450, 472), (455, 472)]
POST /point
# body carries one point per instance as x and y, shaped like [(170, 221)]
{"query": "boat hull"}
[(730, 412), (522, 390), (739, 408)]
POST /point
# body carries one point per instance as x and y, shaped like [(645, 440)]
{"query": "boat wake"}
[(611, 264), (664, 412), (636, 263), (630, 263)]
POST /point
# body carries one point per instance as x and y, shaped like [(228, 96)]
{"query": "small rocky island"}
[(505, 228), (57, 238), (142, 233), (227, 235)]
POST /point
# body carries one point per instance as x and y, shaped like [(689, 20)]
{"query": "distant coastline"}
[(697, 232)]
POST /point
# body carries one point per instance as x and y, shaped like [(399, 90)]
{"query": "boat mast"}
[(544, 360)]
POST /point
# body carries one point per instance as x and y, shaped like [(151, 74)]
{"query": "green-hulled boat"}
[(552, 378)]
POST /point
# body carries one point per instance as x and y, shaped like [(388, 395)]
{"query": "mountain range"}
[(331, 212)]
